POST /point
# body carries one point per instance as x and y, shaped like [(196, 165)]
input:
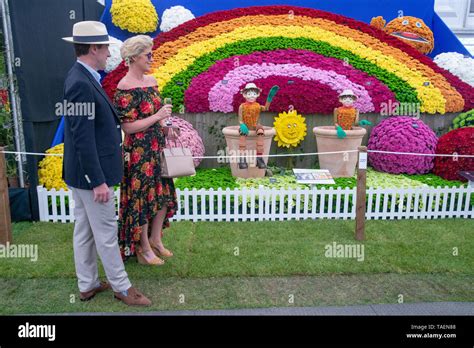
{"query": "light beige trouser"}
[(95, 232)]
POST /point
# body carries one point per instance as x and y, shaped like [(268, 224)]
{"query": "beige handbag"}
[(176, 161)]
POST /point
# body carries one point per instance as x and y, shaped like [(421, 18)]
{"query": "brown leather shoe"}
[(132, 298), (89, 295)]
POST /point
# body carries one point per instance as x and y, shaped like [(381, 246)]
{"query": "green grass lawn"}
[(276, 261)]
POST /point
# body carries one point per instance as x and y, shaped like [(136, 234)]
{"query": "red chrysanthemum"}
[(459, 141)]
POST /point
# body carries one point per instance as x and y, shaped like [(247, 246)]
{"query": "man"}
[(92, 166)]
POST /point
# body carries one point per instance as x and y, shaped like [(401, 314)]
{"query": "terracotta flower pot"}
[(338, 164), (232, 139)]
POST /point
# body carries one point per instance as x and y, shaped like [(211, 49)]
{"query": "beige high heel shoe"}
[(165, 253), (143, 261)]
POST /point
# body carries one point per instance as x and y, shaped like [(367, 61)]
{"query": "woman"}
[(147, 199)]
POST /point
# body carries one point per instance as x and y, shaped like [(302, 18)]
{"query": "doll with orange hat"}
[(347, 116), (249, 115)]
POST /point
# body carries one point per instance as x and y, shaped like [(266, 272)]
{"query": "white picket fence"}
[(289, 204)]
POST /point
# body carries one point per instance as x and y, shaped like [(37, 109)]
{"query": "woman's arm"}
[(141, 125)]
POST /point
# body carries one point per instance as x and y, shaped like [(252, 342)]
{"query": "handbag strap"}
[(175, 138)]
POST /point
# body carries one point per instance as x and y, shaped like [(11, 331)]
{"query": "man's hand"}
[(101, 193)]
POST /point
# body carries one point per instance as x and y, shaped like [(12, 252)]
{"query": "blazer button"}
[(118, 126)]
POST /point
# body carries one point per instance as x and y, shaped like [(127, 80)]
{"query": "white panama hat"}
[(89, 32), (347, 93), (250, 86)]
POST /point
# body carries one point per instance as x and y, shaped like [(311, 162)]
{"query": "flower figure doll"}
[(347, 116), (249, 115)]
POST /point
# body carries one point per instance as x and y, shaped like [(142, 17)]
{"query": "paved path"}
[(432, 308)]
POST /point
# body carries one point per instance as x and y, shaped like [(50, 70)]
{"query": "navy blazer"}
[(92, 143)]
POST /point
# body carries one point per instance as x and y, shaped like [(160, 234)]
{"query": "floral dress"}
[(143, 191)]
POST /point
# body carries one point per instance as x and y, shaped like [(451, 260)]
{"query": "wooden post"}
[(361, 193), (5, 218)]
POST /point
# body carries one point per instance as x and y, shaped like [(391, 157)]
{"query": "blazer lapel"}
[(99, 88)]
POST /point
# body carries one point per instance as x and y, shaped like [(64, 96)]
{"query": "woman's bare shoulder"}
[(151, 80), (125, 84)]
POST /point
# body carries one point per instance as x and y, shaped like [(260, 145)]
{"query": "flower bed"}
[(402, 134), (222, 178), (135, 16), (191, 49)]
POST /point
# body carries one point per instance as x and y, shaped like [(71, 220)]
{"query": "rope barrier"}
[(277, 155)]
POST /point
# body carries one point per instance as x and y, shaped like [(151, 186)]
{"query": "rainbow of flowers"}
[(312, 55)]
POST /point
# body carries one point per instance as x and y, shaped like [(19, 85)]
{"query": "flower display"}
[(192, 48), (294, 93), (215, 73), (457, 64), (135, 16), (434, 180), (461, 142), (175, 16), (402, 134), (466, 119), (290, 129), (222, 178), (221, 95), (189, 137), (208, 178), (384, 180), (411, 30), (51, 169), (197, 98), (115, 57)]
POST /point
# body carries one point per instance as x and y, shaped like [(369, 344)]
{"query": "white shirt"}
[(91, 70)]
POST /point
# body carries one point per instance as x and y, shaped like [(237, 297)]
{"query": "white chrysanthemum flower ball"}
[(115, 58), (457, 64), (175, 16)]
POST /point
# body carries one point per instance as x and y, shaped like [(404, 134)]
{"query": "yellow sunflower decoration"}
[(51, 169), (135, 16), (290, 129)]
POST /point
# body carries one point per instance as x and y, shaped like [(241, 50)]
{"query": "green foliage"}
[(434, 180), (208, 178), (465, 119)]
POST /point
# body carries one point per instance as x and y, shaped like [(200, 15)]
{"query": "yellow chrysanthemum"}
[(290, 129), (135, 16), (51, 169)]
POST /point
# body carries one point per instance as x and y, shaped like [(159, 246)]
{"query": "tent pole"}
[(9, 60)]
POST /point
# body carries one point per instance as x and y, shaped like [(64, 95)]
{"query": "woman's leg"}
[(157, 228), (148, 254)]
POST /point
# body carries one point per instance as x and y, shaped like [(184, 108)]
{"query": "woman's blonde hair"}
[(135, 46)]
